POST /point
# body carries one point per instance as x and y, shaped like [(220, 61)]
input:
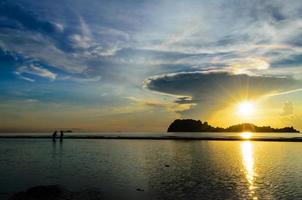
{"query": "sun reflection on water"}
[(248, 164), (246, 135)]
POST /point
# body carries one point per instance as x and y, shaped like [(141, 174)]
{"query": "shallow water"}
[(162, 135), (163, 169)]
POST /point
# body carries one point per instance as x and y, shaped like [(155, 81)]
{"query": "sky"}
[(136, 65)]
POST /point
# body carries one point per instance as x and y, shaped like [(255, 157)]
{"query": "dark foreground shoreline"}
[(55, 192), (169, 137)]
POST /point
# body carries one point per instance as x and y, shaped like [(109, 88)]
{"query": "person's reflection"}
[(61, 149), (57, 153), (61, 136), (54, 136), (54, 149), (57, 168)]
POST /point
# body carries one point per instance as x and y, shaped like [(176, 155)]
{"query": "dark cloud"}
[(202, 84), (211, 90)]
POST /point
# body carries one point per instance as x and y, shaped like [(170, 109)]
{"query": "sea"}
[(132, 168)]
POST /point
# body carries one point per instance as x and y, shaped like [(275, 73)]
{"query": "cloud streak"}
[(23, 71)]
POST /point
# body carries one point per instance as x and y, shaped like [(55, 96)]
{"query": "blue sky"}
[(137, 65)]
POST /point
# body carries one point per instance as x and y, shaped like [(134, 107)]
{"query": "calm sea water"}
[(163, 169)]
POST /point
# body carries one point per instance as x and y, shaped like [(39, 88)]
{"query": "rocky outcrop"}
[(191, 125)]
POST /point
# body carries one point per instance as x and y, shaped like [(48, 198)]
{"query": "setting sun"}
[(246, 108)]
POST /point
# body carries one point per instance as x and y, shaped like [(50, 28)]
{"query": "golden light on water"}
[(246, 135), (248, 164)]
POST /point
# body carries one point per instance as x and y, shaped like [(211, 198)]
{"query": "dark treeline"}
[(190, 125)]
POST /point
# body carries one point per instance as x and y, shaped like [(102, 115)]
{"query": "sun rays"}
[(246, 108)]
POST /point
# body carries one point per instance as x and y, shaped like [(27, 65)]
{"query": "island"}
[(191, 125)]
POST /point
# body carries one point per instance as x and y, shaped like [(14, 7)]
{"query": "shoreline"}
[(230, 138)]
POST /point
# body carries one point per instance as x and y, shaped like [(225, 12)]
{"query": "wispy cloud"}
[(25, 78), (31, 69), (82, 79), (169, 106), (243, 37)]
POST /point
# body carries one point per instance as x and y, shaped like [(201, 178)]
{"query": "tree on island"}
[(191, 125)]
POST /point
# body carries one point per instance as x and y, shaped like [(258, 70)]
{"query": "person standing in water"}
[(54, 136)]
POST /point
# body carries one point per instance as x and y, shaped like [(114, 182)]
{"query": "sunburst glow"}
[(246, 108)]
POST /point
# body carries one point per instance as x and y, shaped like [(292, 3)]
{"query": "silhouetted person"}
[(61, 135), (54, 136)]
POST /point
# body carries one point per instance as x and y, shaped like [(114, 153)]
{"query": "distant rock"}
[(185, 125), (191, 125), (254, 128)]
